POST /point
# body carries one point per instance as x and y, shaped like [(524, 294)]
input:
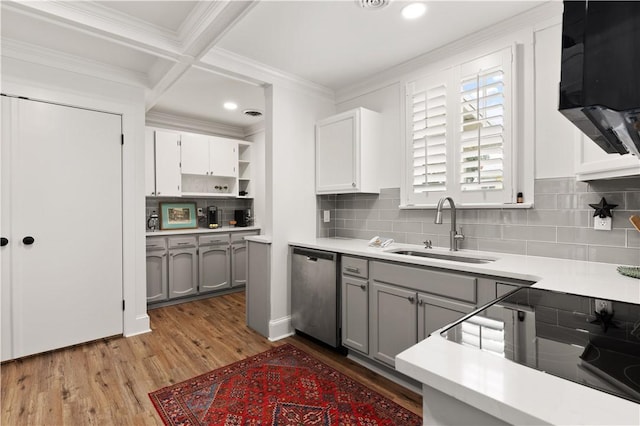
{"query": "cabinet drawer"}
[(217, 239), (156, 243), (238, 237), (456, 286), (179, 242), (355, 266)]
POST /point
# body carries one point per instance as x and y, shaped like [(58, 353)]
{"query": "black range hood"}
[(600, 75)]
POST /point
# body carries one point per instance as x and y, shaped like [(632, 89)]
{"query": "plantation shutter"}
[(429, 134), (483, 118), (482, 130), (428, 126)]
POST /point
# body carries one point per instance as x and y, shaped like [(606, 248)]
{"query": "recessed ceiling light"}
[(414, 10), (230, 106)]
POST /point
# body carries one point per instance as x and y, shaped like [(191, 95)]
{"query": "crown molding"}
[(253, 129), (225, 62), (394, 74), (176, 122), (53, 58)]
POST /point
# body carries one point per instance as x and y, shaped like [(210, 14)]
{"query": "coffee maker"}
[(213, 217), (242, 217)]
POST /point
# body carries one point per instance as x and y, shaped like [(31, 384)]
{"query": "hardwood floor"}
[(106, 382)]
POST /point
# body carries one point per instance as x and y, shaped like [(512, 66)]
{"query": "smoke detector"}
[(252, 112), (373, 4)]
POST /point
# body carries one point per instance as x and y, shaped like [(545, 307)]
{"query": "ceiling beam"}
[(215, 21), (205, 26)]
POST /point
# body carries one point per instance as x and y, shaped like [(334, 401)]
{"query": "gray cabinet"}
[(183, 267), (239, 258), (213, 263), (393, 321), (189, 265), (355, 304), (436, 312), (408, 303), (157, 280)]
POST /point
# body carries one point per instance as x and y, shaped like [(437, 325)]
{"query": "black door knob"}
[(28, 240), (3, 242)]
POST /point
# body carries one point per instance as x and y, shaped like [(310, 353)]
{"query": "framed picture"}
[(178, 216)]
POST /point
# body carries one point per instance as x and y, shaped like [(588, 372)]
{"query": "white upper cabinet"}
[(348, 152), (195, 154), (167, 161), (209, 155), (223, 157)]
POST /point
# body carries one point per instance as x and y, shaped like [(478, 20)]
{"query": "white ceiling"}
[(161, 44), (337, 43)]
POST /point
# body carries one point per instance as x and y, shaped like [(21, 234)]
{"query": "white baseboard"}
[(142, 325), (280, 328)]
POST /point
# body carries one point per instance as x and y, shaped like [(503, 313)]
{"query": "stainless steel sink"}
[(455, 258)]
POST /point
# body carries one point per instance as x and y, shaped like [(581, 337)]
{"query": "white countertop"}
[(599, 280), (509, 391), (201, 231)]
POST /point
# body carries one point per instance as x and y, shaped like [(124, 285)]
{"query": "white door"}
[(65, 204)]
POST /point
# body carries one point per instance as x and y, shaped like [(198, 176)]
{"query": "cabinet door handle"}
[(352, 269), (420, 302), (411, 299), (353, 184), (183, 244), (28, 240), (363, 287), (3, 242)]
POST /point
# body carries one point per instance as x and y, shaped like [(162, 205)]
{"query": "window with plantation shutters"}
[(459, 134)]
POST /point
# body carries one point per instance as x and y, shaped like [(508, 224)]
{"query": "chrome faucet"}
[(454, 237)]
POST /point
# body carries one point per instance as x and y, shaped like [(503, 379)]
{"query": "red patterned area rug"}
[(282, 386)]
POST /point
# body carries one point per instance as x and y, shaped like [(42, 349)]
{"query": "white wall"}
[(290, 190), (59, 86)]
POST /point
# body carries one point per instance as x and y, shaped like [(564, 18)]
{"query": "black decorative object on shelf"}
[(605, 320), (603, 209)]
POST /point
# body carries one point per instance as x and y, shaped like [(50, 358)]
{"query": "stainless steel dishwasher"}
[(315, 295)]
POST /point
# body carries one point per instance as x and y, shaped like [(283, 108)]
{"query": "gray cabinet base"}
[(194, 297)]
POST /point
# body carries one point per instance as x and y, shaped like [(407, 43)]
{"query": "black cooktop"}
[(561, 334)]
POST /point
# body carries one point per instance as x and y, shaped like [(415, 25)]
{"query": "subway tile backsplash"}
[(560, 225)]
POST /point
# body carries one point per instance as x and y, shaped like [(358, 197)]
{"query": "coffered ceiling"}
[(166, 46)]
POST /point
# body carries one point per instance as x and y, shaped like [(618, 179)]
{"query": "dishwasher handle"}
[(314, 255)]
